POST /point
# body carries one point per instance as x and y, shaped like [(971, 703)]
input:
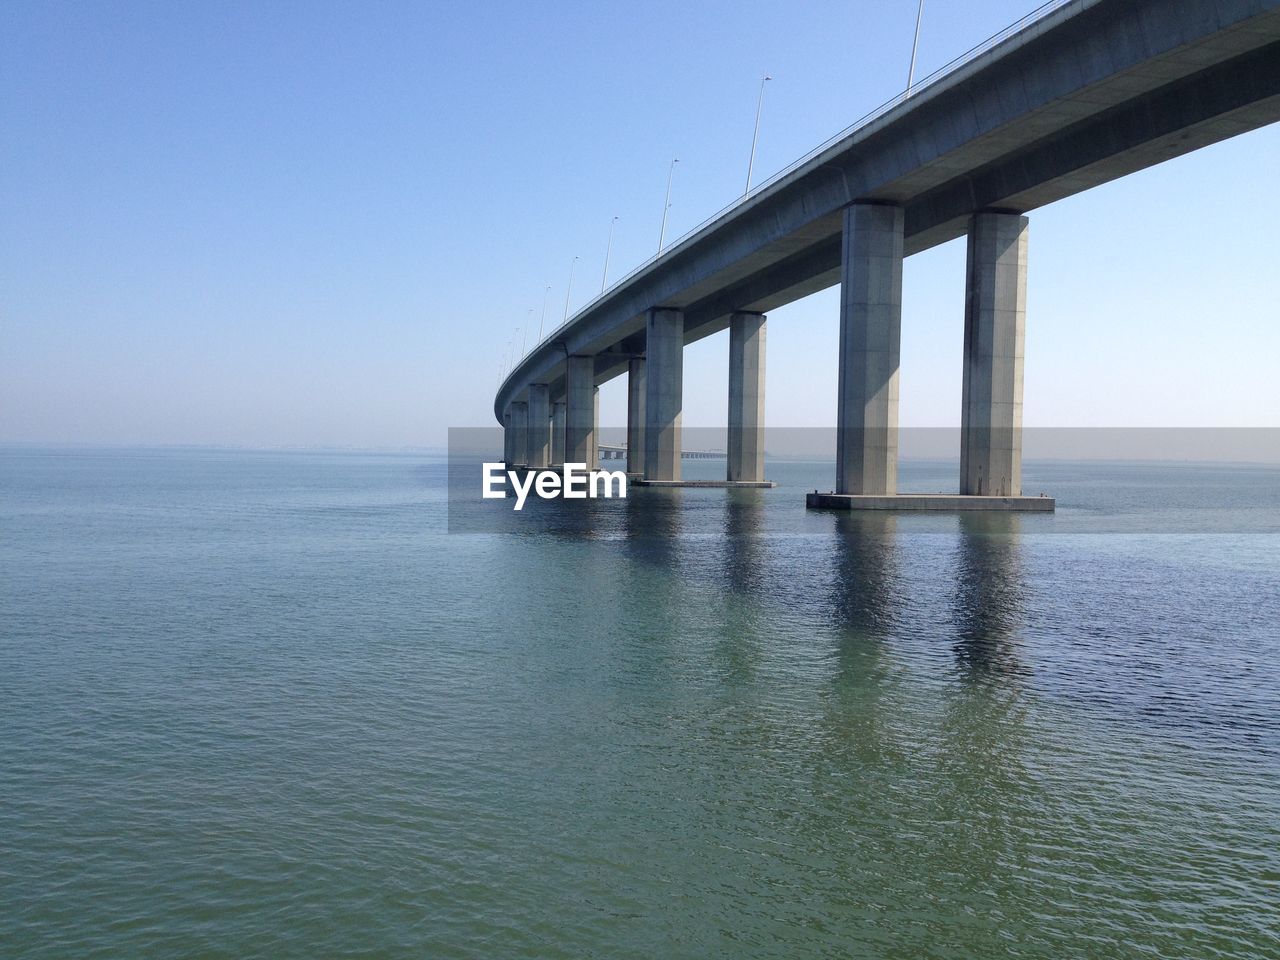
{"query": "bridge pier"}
[(870, 338), (1074, 97), (520, 433), (539, 426), (995, 320), (635, 415), (580, 411), (508, 438), (994, 336), (557, 433), (746, 398), (663, 401)]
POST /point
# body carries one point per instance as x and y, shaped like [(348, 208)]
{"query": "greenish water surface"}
[(265, 705)]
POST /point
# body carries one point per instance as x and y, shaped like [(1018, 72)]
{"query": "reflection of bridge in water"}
[(618, 451)]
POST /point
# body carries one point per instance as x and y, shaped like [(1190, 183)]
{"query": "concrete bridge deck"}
[(1087, 92)]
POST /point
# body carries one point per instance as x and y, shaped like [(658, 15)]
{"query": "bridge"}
[(1075, 95), (618, 451)]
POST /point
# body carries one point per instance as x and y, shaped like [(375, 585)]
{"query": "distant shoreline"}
[(1255, 446)]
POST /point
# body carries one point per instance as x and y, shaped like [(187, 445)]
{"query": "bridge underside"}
[(1093, 99), (1195, 112), (1092, 92)]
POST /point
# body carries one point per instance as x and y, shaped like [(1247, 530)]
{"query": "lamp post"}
[(911, 71), (756, 135), (527, 320), (662, 235), (604, 277), (570, 290), (544, 311)]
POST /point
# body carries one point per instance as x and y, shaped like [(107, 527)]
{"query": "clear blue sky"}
[(319, 224)]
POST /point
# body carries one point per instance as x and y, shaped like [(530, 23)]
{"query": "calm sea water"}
[(264, 705)]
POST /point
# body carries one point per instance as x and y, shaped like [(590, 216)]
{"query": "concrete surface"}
[(1091, 92), (635, 415), (508, 439), (663, 395), (520, 433), (729, 484), (557, 433), (745, 455), (935, 502), (995, 322), (539, 426), (580, 416), (870, 341)]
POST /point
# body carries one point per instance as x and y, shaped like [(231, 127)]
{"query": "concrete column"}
[(595, 429), (520, 433), (580, 416), (995, 321), (508, 440), (663, 388), (870, 336), (557, 433), (635, 416), (539, 426), (746, 397)]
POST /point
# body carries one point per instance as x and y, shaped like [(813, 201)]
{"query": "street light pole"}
[(667, 204), (527, 321), (911, 72), (570, 290), (756, 136), (544, 312), (604, 277)]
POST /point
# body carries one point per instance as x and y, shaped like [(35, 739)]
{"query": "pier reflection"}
[(652, 521), (743, 563), (743, 567), (856, 734), (865, 587), (982, 779), (989, 588)]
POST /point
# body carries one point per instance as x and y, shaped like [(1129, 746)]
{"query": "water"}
[(263, 705)]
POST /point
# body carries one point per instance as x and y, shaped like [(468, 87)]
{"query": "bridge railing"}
[(1039, 13)]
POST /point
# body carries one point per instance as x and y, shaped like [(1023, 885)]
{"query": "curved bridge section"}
[(1082, 94)]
